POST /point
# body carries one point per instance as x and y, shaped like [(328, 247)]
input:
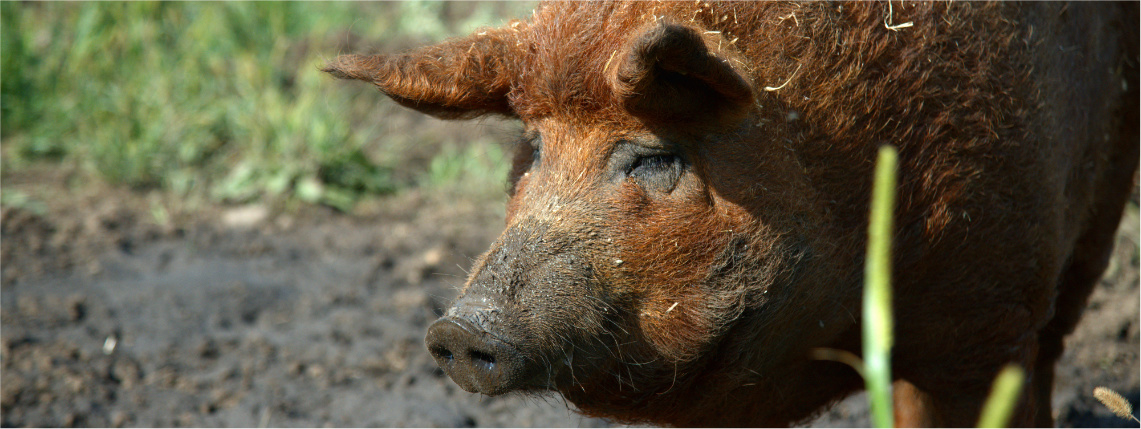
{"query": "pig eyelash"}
[(659, 172), (647, 165)]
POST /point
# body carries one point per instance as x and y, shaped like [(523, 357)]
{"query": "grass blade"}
[(1003, 395), (877, 291)]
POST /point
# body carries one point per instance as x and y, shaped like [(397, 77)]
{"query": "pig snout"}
[(519, 323), (474, 359)]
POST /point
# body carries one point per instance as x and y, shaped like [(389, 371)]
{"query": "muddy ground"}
[(123, 308)]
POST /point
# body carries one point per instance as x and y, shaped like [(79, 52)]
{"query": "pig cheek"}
[(676, 317), (678, 333), (665, 255)]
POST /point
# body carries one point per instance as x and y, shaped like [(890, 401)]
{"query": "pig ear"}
[(457, 79), (668, 74)]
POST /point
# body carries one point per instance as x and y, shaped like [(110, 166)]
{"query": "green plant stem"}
[(1003, 396), (877, 291)]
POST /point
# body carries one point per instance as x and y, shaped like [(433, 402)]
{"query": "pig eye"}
[(536, 155), (535, 143), (658, 172), (528, 154)]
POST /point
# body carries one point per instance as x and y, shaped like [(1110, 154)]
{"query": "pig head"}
[(637, 234)]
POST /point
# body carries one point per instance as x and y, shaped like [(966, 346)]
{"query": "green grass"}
[(877, 291), (1003, 396), (468, 169), (218, 99)]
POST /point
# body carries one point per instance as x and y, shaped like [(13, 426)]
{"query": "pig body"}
[(689, 198)]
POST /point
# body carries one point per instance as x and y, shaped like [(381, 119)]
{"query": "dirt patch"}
[(119, 314), (309, 319)]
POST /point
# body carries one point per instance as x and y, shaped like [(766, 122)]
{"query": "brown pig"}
[(689, 198)]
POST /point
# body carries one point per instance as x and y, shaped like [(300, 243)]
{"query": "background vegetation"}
[(223, 100)]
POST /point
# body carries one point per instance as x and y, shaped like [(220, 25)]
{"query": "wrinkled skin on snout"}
[(688, 199)]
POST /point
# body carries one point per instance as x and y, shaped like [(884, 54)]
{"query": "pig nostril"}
[(483, 360), (442, 353), (475, 359)]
